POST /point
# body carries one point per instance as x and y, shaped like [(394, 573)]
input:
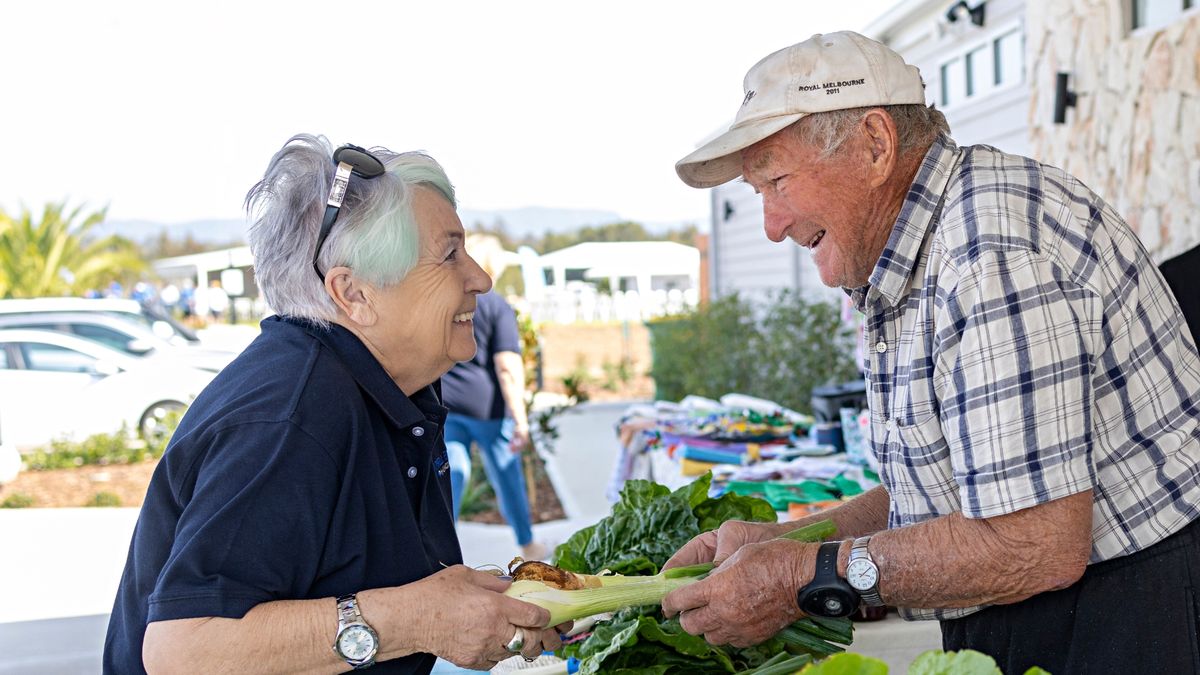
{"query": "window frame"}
[(984, 43), (1188, 8), (29, 363)]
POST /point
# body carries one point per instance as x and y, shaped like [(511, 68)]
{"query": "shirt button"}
[(881, 346), (412, 472), (418, 431)]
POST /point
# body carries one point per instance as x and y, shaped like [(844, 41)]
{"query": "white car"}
[(162, 325), (217, 337), (120, 332), (54, 385)]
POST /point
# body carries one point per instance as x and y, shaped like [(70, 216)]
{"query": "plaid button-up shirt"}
[(1021, 347)]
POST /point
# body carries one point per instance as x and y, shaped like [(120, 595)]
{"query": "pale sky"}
[(169, 111)]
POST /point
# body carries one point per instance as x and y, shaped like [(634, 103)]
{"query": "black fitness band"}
[(827, 594)]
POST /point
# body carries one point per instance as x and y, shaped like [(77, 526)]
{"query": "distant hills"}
[(533, 220), (536, 220), (207, 231)]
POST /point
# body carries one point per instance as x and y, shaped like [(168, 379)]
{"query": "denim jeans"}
[(502, 466)]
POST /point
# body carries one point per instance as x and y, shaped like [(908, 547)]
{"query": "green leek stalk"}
[(616, 592), (782, 667)]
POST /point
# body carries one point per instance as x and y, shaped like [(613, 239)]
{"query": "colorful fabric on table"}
[(780, 495)]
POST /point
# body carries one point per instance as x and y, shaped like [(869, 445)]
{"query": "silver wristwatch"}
[(356, 641), (863, 574)]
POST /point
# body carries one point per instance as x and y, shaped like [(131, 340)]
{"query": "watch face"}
[(862, 574), (356, 643)]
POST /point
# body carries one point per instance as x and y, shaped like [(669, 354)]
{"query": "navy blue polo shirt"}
[(301, 472), (472, 388)]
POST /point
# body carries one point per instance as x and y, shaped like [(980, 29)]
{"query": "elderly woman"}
[(300, 520)]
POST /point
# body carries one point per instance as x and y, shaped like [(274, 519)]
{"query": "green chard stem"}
[(809, 643), (781, 656), (784, 667), (818, 531), (696, 570)]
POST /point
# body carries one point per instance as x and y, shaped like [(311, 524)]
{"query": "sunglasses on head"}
[(350, 159)]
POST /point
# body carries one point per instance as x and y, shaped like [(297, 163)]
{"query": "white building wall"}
[(742, 259), (994, 114)]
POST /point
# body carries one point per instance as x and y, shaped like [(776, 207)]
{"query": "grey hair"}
[(916, 126), (375, 234)]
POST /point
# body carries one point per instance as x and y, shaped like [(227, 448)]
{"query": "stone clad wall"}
[(1134, 136)]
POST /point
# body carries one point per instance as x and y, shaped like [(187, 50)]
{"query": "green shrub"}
[(576, 382), (17, 500), (157, 445), (531, 349), (778, 350), (104, 498), (102, 449), (478, 496), (617, 374)]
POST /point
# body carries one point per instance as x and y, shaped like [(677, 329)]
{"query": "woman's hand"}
[(468, 621)]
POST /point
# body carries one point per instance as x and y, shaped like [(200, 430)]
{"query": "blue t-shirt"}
[(301, 472), (471, 387)]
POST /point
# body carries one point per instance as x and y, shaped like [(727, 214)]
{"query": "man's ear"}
[(883, 144), (354, 297)]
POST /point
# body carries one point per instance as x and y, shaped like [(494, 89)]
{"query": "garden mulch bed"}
[(543, 506), (78, 486)]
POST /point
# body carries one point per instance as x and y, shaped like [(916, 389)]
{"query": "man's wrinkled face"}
[(819, 204)]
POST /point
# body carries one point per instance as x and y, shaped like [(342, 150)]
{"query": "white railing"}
[(580, 302)]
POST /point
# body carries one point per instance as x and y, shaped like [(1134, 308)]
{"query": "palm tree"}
[(55, 256)]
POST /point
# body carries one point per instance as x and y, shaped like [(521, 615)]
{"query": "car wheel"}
[(159, 420)]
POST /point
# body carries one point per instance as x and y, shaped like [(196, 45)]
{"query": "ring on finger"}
[(516, 643)]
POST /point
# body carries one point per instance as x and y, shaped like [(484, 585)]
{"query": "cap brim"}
[(720, 160)]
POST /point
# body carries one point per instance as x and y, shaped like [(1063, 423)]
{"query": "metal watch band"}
[(348, 611), (859, 551), (349, 615)]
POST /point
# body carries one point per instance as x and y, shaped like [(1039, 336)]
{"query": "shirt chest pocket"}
[(920, 472), (914, 399)]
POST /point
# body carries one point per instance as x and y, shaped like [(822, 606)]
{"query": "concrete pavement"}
[(61, 567)]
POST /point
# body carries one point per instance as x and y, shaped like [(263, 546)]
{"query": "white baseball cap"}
[(834, 71)]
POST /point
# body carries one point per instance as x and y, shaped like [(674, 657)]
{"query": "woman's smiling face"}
[(426, 319)]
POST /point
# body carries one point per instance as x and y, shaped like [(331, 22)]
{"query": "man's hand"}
[(469, 620), (749, 597), (719, 544)]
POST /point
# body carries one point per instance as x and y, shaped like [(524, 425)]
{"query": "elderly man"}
[(1034, 392)]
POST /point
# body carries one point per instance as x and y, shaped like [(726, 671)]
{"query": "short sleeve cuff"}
[(196, 606)]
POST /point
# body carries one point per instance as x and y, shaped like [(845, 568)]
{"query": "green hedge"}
[(779, 349), (117, 448)]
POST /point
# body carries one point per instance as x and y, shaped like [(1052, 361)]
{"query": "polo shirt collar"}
[(892, 277), (362, 365)]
